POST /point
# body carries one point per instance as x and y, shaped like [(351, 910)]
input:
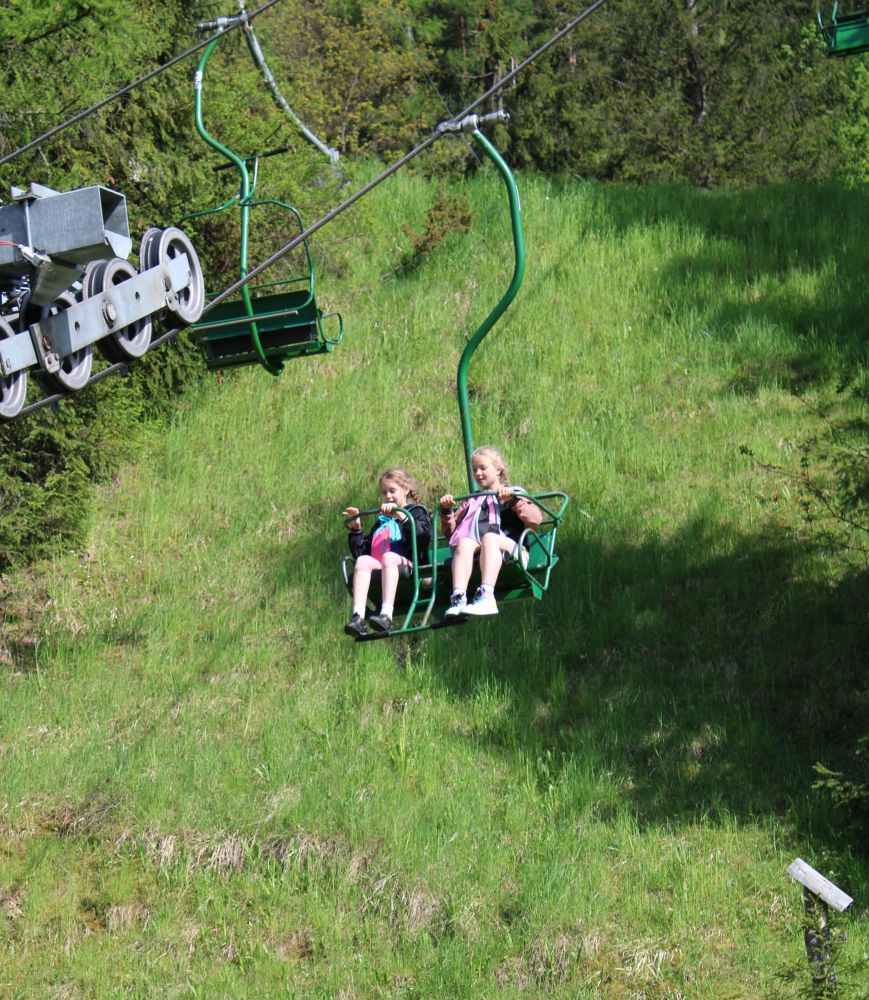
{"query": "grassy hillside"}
[(207, 790)]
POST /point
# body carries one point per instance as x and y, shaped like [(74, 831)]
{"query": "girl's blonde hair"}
[(497, 459), (405, 480)]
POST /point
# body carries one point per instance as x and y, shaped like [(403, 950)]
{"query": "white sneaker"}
[(482, 605), (458, 606)]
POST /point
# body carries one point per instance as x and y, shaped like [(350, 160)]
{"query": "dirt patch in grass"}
[(547, 963), (77, 819), (23, 604), (228, 855), (551, 961), (302, 850), (295, 946), (194, 850), (127, 917), (11, 900), (412, 911), (426, 912), (512, 973), (306, 851), (647, 964)]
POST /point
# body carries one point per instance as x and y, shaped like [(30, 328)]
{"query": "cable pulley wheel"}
[(75, 368), (147, 248), (13, 388), (189, 302), (130, 341), (92, 279)]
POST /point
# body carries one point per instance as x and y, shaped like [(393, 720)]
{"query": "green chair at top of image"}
[(266, 329), (845, 34)]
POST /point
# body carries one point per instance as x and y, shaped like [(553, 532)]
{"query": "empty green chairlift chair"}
[(271, 322), (845, 34)]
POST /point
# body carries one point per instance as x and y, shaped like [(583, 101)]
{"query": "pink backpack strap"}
[(467, 527)]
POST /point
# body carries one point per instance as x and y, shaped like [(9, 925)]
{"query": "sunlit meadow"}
[(208, 790)]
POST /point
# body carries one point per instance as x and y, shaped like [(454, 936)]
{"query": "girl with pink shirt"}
[(490, 524)]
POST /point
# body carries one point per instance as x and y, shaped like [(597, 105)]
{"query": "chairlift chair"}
[(424, 591), (271, 322), (424, 595), (845, 34)]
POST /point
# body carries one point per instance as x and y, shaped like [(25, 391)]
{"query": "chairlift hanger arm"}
[(471, 124), (246, 189), (244, 19), (260, 60)]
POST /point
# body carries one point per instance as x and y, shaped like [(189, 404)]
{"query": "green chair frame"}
[(845, 34), (258, 329)]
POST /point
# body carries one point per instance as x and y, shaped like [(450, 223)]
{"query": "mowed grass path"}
[(207, 790)]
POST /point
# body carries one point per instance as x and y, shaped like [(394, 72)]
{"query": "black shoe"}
[(381, 623), (356, 626)]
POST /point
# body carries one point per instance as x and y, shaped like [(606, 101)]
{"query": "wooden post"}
[(818, 894), (817, 937)]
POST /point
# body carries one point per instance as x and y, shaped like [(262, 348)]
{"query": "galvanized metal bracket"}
[(471, 123), (54, 337)]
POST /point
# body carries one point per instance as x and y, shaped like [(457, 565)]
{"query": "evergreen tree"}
[(713, 93)]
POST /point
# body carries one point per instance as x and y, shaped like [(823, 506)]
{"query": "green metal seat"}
[(846, 34), (288, 325), (266, 328)]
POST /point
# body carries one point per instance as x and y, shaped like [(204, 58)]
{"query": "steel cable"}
[(130, 86)]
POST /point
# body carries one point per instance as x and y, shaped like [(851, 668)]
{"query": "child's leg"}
[(362, 570), (491, 557), (463, 563), (389, 578)]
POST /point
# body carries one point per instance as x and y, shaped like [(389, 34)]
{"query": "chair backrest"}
[(845, 34)]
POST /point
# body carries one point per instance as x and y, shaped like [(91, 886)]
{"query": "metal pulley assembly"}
[(65, 285)]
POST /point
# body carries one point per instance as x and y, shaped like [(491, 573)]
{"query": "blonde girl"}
[(490, 525)]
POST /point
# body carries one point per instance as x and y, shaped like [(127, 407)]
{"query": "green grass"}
[(208, 791)]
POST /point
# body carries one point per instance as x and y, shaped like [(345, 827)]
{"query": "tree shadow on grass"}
[(705, 672), (809, 240), (705, 682)]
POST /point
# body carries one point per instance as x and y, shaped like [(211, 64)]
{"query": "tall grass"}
[(209, 791)]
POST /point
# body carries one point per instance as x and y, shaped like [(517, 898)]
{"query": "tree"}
[(713, 93)]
